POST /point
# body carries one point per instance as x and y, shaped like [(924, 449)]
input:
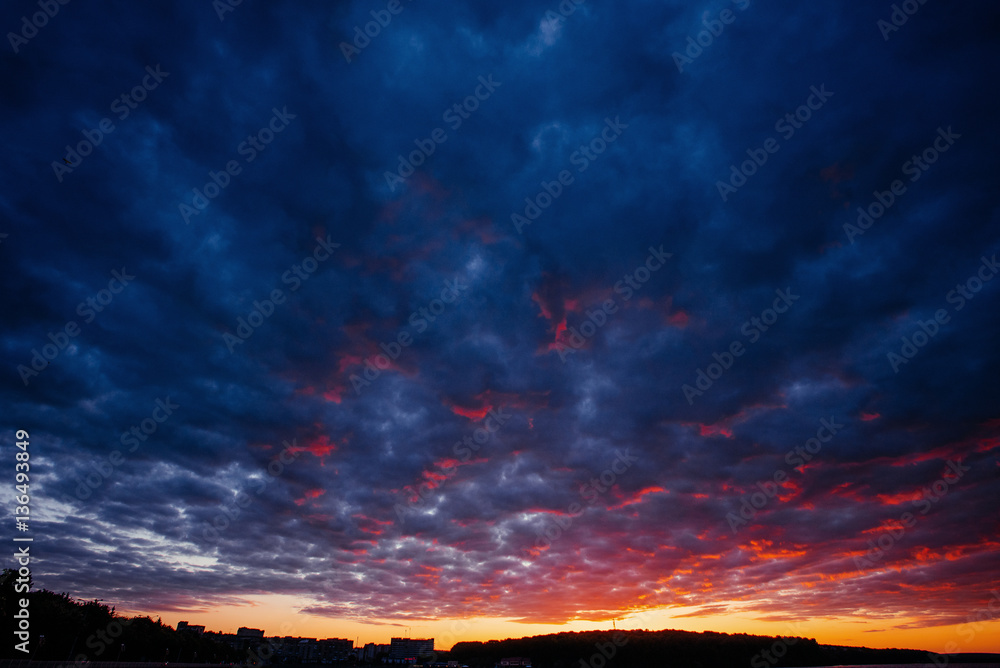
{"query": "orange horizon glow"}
[(280, 615)]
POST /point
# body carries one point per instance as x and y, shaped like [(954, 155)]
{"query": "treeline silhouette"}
[(76, 630), (643, 649)]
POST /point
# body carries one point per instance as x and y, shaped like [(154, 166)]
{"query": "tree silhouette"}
[(91, 630)]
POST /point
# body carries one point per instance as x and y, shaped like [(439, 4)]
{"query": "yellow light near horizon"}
[(279, 615)]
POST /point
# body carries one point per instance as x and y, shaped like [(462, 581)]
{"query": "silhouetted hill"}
[(642, 649)]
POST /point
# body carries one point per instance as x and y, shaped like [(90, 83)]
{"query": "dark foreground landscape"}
[(69, 632), (639, 649)]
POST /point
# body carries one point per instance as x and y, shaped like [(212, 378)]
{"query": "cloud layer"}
[(525, 209)]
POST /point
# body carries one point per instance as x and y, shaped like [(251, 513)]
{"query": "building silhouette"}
[(410, 650), (193, 628)]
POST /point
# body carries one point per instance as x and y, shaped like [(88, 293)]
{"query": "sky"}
[(484, 320)]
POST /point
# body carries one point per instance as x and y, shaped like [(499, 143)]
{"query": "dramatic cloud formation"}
[(541, 312)]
